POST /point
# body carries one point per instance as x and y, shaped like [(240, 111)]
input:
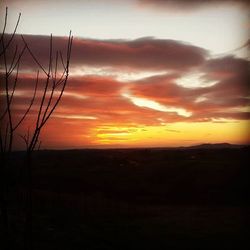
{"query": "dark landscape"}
[(182, 198)]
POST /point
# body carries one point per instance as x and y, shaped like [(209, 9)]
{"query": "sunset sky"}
[(144, 73)]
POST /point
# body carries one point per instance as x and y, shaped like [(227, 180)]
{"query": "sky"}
[(143, 73)]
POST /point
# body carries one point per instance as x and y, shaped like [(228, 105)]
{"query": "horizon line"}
[(223, 144)]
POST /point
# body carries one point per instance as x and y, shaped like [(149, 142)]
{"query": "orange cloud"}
[(102, 108)]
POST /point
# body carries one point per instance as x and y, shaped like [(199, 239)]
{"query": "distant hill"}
[(199, 146), (215, 146), (205, 146)]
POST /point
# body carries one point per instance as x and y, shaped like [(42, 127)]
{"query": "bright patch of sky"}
[(77, 117), (220, 29), (123, 76), (194, 80), (143, 102)]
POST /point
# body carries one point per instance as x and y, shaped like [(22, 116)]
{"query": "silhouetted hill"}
[(216, 146)]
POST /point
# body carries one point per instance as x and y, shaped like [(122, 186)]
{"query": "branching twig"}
[(13, 34), (31, 103), (33, 56), (5, 24)]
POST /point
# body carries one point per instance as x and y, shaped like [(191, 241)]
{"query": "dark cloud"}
[(233, 77), (184, 5), (144, 53), (230, 91), (226, 64)]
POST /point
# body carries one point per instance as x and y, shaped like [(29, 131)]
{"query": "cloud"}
[(104, 99), (184, 5), (230, 91), (95, 101), (108, 99), (232, 76), (143, 54), (94, 86), (173, 130)]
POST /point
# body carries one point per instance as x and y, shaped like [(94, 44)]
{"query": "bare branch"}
[(31, 103), (53, 82), (5, 23), (64, 72), (15, 83), (18, 60), (46, 85), (13, 58), (8, 99), (55, 73), (70, 41), (62, 61), (12, 36), (33, 56), (34, 140)]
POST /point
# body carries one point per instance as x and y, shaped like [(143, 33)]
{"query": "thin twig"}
[(12, 94), (12, 36), (8, 100), (13, 58), (46, 85), (5, 24), (31, 103), (18, 60), (65, 80), (33, 56), (53, 82)]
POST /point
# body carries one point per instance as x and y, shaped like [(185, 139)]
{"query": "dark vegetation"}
[(133, 199)]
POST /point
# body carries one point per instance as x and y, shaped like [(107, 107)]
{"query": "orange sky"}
[(163, 90)]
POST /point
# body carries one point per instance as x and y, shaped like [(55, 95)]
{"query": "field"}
[(134, 199)]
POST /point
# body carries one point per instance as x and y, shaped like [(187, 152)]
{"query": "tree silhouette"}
[(51, 83)]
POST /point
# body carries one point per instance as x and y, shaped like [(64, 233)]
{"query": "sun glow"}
[(174, 134)]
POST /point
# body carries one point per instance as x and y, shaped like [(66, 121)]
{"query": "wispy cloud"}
[(96, 100)]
